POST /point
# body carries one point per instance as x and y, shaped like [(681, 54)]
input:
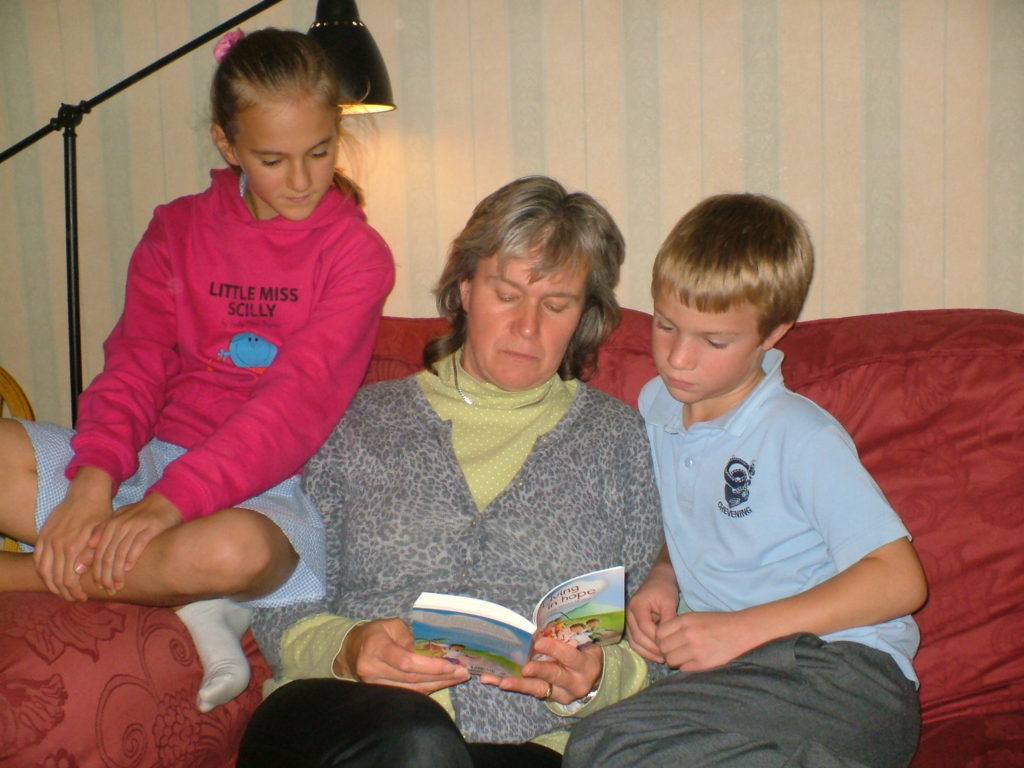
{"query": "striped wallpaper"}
[(895, 128)]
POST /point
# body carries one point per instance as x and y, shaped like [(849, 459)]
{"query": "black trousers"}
[(327, 723)]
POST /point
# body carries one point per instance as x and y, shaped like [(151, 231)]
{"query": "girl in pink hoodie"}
[(250, 314)]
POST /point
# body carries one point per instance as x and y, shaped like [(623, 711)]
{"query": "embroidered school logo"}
[(738, 475)]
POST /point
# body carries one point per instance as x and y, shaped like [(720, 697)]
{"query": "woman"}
[(494, 473)]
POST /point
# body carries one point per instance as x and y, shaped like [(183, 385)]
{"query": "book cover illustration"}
[(488, 638)]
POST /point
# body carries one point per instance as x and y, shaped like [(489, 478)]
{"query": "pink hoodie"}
[(242, 341)]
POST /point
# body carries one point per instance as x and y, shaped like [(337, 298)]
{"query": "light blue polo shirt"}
[(767, 501)]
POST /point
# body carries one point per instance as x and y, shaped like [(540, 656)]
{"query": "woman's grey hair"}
[(534, 218)]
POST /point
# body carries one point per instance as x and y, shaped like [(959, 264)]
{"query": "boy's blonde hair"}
[(738, 248)]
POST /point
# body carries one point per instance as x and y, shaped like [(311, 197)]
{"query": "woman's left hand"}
[(568, 673)]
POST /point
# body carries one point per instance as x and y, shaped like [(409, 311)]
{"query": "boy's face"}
[(709, 361)]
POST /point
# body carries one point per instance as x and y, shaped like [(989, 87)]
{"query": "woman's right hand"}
[(63, 540), (381, 651)]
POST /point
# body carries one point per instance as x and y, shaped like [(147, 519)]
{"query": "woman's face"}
[(517, 331)]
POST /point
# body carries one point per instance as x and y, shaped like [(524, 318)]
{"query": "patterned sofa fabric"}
[(935, 402), (108, 684)]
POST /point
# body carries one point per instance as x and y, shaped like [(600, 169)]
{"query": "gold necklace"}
[(455, 376)]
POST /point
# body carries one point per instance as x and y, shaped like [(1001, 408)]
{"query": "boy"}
[(799, 576)]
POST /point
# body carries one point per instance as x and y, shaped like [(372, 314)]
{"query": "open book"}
[(488, 638)]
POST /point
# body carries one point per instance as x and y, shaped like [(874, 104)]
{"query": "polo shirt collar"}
[(667, 412)]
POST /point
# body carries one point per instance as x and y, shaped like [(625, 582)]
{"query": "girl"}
[(250, 314)]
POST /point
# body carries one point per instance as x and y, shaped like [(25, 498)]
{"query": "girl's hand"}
[(656, 600), (381, 651), (565, 675), (120, 541), (63, 541)]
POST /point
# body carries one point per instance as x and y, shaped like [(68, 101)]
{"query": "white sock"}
[(217, 627)]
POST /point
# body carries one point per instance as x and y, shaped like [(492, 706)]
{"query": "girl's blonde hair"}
[(275, 65)]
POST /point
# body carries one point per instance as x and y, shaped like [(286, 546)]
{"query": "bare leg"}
[(257, 563), (235, 552), (17, 505), (17, 482), (217, 625), (198, 560)]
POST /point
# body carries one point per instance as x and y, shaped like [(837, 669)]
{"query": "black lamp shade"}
[(365, 85)]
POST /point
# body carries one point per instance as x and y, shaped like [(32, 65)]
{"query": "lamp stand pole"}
[(69, 116)]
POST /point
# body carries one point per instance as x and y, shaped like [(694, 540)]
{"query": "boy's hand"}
[(704, 639), (656, 601), (63, 541), (381, 651), (120, 541), (564, 674)]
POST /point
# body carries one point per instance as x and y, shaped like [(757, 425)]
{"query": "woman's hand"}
[(63, 541), (655, 601), (120, 541), (381, 651), (564, 674)]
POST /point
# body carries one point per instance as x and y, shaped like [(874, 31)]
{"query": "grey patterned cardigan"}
[(400, 519)]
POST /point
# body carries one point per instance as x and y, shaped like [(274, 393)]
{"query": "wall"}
[(895, 128)]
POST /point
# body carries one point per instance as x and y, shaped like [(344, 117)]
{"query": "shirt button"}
[(688, 462)]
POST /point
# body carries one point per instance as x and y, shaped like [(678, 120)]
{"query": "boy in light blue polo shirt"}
[(799, 577)]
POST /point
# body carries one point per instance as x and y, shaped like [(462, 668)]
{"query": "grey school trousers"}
[(794, 702)]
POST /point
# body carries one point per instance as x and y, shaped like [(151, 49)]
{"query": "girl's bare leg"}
[(17, 505), (236, 552), (189, 566), (17, 482)]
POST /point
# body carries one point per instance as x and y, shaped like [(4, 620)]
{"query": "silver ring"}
[(548, 694)]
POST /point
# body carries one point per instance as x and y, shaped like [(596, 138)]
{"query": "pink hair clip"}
[(227, 40)]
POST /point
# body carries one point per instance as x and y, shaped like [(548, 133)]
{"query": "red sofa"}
[(935, 402)]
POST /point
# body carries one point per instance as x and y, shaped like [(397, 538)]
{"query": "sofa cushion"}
[(972, 741), (53, 713), (935, 402)]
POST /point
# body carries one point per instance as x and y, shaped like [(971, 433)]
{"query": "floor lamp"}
[(364, 79)]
